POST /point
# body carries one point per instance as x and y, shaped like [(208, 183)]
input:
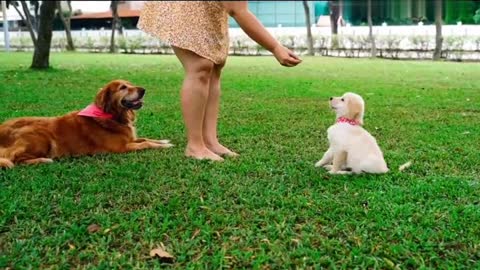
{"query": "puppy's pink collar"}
[(352, 122), (94, 111)]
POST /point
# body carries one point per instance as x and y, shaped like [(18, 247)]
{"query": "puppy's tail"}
[(405, 166)]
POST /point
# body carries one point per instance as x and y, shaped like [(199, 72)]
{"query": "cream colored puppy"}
[(352, 149)]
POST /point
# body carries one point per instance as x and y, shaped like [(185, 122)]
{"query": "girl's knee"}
[(201, 70)]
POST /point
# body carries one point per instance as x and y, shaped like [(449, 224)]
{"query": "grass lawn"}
[(270, 208)]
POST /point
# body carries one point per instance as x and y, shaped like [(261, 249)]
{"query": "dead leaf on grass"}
[(405, 166), (162, 255), (93, 228), (197, 231)]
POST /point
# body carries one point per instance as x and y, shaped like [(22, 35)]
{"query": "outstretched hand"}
[(286, 57)]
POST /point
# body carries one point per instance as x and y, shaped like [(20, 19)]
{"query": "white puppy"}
[(352, 149)]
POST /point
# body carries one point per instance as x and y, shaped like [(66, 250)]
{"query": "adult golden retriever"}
[(33, 140)]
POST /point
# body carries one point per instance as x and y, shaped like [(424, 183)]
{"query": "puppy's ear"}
[(104, 99), (355, 110)]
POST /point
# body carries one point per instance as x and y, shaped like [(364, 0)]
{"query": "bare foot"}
[(202, 154), (221, 150)]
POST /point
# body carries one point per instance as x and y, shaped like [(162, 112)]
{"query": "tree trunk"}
[(373, 48), (6, 32), (334, 15), (28, 21), (36, 18), (41, 55), (309, 28), (114, 8), (438, 26), (66, 25)]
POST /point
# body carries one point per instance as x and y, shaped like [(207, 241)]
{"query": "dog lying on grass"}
[(106, 126), (352, 149)]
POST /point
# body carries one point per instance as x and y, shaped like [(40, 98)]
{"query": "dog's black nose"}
[(141, 91), (331, 98)]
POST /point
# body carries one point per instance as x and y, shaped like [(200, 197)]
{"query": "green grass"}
[(270, 207)]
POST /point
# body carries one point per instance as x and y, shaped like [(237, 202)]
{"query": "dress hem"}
[(166, 40)]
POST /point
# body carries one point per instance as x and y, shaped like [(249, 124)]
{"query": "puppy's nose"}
[(141, 91), (331, 98)]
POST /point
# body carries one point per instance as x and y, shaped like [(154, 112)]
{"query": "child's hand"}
[(286, 57)]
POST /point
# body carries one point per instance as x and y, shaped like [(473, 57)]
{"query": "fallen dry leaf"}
[(197, 231), (93, 228), (405, 166), (164, 256)]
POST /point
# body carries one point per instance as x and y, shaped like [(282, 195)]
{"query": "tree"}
[(373, 48), (35, 4), (65, 18), (26, 17), (115, 23), (334, 6), (438, 26), (309, 27), (41, 55)]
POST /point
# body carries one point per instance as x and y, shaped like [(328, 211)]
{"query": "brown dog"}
[(107, 126)]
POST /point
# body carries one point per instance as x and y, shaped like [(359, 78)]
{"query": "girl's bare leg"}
[(195, 93), (211, 115)]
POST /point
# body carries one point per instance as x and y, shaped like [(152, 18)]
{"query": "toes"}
[(230, 154), (215, 158)]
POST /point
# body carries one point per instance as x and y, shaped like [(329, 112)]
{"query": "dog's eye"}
[(123, 87), (343, 99)]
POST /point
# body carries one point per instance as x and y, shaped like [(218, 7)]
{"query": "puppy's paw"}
[(320, 163), (163, 141), (328, 167), (339, 172)]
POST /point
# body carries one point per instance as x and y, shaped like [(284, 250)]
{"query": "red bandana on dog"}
[(352, 122), (94, 111)]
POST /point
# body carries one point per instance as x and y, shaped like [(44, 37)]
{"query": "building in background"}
[(14, 20), (354, 12), (292, 14), (128, 11), (407, 12)]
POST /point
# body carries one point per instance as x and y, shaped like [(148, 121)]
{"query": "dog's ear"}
[(104, 99), (355, 110)]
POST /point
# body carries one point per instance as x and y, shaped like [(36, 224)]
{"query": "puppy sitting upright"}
[(352, 149), (106, 126)]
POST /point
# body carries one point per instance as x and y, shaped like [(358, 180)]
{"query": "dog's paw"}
[(163, 141), (328, 167), (166, 145), (6, 164), (339, 172), (319, 164)]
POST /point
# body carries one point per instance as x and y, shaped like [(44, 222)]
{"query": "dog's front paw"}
[(163, 145), (167, 145), (319, 164), (164, 141), (339, 172), (328, 167)]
